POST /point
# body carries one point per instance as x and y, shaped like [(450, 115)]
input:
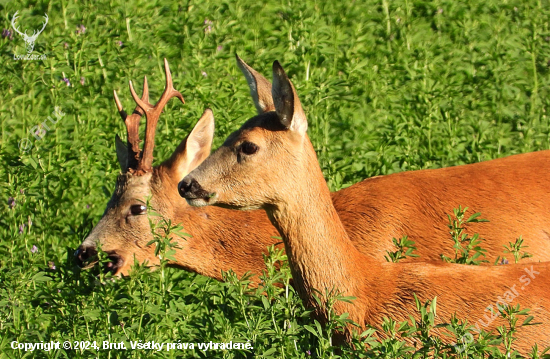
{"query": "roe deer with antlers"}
[(270, 163), (372, 211)]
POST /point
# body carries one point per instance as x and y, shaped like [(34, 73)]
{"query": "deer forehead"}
[(255, 135), (132, 188), (262, 129)]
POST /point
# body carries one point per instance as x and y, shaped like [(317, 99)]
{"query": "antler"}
[(152, 114), (132, 126), (13, 19)]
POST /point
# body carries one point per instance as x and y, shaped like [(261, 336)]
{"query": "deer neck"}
[(320, 253), (224, 240), (220, 238)]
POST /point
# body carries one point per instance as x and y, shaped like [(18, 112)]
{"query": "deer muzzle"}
[(195, 195), (86, 257)]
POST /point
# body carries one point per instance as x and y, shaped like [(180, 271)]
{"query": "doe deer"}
[(270, 164), (408, 203)]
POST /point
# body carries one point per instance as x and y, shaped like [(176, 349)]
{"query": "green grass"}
[(387, 86)]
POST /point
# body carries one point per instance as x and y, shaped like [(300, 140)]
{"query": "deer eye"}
[(138, 209), (249, 148)]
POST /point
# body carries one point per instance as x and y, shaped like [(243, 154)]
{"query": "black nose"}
[(114, 263), (186, 185), (189, 188), (84, 254)]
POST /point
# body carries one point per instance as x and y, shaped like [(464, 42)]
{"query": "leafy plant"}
[(405, 248), (512, 314), (467, 249), (515, 249)]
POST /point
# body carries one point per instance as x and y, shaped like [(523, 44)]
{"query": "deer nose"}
[(188, 187), (193, 192), (84, 254), (114, 264)]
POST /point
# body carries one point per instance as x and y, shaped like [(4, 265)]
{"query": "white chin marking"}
[(197, 202), (250, 208)]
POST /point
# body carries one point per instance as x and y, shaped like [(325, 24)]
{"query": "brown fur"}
[(416, 203), (284, 179)]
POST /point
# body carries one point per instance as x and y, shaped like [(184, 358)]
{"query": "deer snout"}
[(86, 257), (193, 192), (189, 188), (83, 255), (186, 185)]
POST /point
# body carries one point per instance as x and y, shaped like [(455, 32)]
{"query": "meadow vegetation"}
[(387, 86)]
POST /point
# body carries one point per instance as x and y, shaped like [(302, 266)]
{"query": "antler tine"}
[(169, 90), (142, 105), (145, 96), (132, 125), (121, 111), (153, 113)]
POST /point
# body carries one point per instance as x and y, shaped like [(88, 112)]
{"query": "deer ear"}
[(260, 88), (121, 154), (193, 149), (287, 104)]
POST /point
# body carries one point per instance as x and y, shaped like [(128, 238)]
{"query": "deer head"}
[(124, 229), (29, 40), (257, 147)]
